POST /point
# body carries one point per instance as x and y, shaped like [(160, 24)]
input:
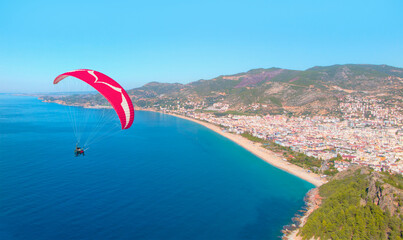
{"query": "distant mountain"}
[(275, 90)]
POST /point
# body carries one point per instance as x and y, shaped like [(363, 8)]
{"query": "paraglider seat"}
[(78, 151)]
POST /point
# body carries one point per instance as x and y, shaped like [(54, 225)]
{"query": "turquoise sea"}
[(165, 178)]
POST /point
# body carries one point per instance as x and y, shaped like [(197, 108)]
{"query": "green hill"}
[(358, 204)]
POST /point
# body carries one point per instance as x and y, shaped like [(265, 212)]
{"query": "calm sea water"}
[(165, 178)]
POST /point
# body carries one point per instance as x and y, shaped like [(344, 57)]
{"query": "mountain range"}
[(316, 90)]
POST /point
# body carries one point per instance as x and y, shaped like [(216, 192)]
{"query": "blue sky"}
[(136, 42)]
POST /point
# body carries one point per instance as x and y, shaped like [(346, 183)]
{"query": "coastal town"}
[(334, 143), (367, 133), (204, 120)]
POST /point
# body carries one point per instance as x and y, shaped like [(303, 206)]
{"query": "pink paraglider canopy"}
[(110, 89)]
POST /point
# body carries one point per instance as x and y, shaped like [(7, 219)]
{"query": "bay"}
[(164, 178)]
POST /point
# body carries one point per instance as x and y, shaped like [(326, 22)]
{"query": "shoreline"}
[(312, 202), (254, 148), (262, 153), (266, 155)]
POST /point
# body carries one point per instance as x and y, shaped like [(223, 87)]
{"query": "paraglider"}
[(78, 151), (116, 96)]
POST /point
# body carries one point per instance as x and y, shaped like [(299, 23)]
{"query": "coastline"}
[(254, 148), (312, 198), (312, 202), (263, 153)]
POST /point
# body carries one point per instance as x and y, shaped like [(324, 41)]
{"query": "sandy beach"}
[(255, 148), (263, 153)]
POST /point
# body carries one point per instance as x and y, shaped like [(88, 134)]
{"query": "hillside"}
[(314, 91), (358, 204)]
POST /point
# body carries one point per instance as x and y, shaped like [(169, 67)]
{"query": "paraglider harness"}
[(78, 151)]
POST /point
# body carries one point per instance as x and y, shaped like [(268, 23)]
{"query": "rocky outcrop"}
[(312, 202), (387, 197)]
